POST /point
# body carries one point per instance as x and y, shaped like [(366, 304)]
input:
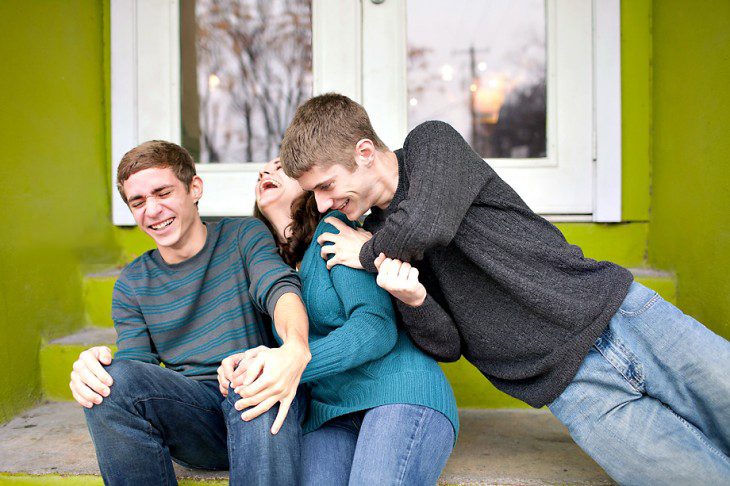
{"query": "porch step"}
[(98, 288), (50, 444)]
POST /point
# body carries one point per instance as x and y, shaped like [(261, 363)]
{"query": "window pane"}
[(480, 66), (246, 66)]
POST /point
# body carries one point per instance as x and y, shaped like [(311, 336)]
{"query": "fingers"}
[(90, 359), (413, 275), (281, 415), (262, 407), (84, 395), (403, 270), (327, 238), (223, 385), (104, 355), (332, 262), (337, 224), (379, 261), (253, 371), (327, 250)]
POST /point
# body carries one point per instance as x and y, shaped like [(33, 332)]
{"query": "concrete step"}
[(58, 356), (50, 444), (98, 288)]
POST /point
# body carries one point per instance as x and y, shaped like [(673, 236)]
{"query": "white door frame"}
[(351, 56)]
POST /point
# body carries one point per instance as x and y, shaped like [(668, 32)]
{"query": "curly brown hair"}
[(305, 218)]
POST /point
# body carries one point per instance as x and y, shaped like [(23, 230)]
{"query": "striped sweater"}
[(191, 315)]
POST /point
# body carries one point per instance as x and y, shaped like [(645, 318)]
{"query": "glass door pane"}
[(481, 66), (246, 66)]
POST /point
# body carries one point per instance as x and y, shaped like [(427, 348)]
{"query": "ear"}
[(196, 188), (364, 152)]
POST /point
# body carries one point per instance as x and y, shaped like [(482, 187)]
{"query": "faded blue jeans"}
[(153, 415), (391, 444), (651, 401)]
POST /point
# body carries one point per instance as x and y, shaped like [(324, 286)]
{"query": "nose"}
[(323, 202), (152, 206)]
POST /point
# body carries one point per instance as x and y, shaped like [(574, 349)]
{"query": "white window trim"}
[(145, 92), (607, 112)]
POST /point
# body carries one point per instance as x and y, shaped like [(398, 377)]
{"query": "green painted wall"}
[(689, 229), (53, 167)]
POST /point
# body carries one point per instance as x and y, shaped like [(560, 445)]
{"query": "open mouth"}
[(268, 184), (162, 224), (342, 206)]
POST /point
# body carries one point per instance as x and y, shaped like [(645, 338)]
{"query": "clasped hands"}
[(262, 377)]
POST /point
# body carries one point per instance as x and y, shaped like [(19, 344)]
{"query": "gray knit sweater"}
[(506, 289)]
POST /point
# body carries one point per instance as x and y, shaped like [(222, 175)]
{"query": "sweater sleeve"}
[(133, 337), (269, 276), (368, 331), (445, 177), (431, 329)]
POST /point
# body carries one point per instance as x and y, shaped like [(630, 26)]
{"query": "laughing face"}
[(274, 189), (164, 208), (337, 187)]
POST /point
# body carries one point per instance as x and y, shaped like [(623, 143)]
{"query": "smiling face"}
[(274, 190), (335, 186), (165, 209)]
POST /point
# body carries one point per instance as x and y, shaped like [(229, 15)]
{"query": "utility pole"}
[(473, 88)]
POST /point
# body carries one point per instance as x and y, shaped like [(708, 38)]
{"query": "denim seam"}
[(139, 400), (637, 381), (645, 308), (699, 435), (419, 424), (160, 453)]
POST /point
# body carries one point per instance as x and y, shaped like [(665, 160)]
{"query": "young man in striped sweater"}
[(203, 294), (642, 387)]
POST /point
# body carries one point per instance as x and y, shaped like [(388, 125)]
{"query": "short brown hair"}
[(324, 131), (156, 154)]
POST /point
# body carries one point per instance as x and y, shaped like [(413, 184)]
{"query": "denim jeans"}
[(391, 444), (153, 415), (651, 401)]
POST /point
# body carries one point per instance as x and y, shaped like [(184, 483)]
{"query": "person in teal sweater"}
[(381, 411)]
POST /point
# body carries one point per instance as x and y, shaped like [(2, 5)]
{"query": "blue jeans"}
[(390, 444), (153, 415), (651, 401)]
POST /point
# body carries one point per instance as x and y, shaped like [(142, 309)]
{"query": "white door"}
[(525, 82)]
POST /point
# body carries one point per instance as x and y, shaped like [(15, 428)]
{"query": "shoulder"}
[(325, 227), (431, 131), (242, 225)]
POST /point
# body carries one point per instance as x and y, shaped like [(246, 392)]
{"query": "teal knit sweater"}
[(360, 359)]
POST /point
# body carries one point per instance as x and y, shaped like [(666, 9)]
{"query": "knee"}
[(128, 380)]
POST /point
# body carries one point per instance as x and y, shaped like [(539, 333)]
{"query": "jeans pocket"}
[(639, 300), (622, 359)]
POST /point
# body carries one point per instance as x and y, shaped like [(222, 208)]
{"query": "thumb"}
[(379, 261)]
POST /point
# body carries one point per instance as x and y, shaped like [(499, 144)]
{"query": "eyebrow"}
[(323, 183), (155, 191)]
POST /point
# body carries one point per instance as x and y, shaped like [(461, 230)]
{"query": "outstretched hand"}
[(400, 279), (346, 245)]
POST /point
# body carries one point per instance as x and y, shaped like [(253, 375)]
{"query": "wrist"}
[(298, 346), (417, 301)]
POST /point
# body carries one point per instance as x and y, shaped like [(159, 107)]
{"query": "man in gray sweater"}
[(641, 386)]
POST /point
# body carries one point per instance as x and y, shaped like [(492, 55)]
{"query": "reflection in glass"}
[(480, 66), (246, 66)]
